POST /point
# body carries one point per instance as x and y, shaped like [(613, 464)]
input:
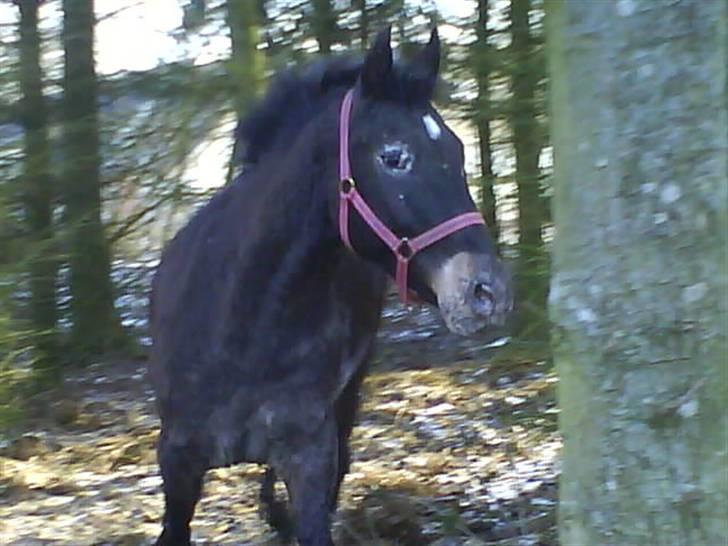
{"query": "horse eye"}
[(395, 158), (392, 159)]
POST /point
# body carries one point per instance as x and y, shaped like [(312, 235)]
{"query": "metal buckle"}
[(404, 250), (347, 185)]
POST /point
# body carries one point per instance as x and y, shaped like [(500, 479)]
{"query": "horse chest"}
[(342, 342), (288, 412)]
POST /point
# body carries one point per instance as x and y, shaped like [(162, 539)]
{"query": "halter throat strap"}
[(403, 248)]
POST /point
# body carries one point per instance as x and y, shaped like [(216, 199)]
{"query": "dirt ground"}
[(456, 445)]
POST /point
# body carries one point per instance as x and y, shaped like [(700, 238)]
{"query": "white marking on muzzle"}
[(432, 127), (451, 278), (450, 282)]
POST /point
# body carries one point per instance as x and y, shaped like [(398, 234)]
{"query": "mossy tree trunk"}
[(96, 326), (482, 68), (639, 296), (38, 191), (531, 274)]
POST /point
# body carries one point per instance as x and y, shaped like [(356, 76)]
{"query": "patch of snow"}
[(500, 342)]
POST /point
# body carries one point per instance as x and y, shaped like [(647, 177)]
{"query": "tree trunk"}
[(639, 297), (324, 24), (246, 66), (95, 323), (482, 69), (532, 276), (38, 191), (361, 7)]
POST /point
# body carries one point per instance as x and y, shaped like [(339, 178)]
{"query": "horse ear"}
[(426, 64), (377, 64)]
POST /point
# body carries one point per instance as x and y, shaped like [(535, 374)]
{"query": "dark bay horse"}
[(266, 305)]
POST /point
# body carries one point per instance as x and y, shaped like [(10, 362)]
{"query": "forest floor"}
[(457, 445)]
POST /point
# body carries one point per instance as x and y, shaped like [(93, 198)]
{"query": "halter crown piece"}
[(403, 248)]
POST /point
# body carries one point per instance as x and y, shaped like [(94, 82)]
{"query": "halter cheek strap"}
[(403, 248)]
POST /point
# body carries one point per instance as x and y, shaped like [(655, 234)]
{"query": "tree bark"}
[(96, 326), (482, 69), (38, 191), (532, 275), (639, 297)]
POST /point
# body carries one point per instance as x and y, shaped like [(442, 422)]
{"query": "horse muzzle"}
[(473, 292)]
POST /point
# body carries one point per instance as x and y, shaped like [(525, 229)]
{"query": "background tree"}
[(639, 296), (96, 325), (482, 63), (247, 63), (38, 191), (532, 280), (323, 21), (363, 9)]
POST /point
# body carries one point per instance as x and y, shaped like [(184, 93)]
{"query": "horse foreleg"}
[(345, 410), (310, 470), (274, 510), (182, 473)]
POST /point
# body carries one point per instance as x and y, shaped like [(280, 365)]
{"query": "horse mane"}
[(298, 94)]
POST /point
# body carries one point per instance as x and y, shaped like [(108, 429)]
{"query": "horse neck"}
[(297, 180), (291, 234), (294, 203)]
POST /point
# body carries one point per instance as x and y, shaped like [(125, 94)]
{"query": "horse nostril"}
[(483, 298)]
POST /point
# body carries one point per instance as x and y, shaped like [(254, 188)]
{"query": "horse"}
[(265, 306)]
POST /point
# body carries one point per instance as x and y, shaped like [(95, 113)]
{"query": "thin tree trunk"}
[(246, 64), (482, 69), (639, 296), (402, 23), (324, 24), (361, 7), (532, 278), (38, 191), (95, 324)]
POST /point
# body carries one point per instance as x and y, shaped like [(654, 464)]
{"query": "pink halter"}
[(403, 248)]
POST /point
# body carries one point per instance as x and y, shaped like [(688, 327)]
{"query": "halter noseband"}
[(403, 248)]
